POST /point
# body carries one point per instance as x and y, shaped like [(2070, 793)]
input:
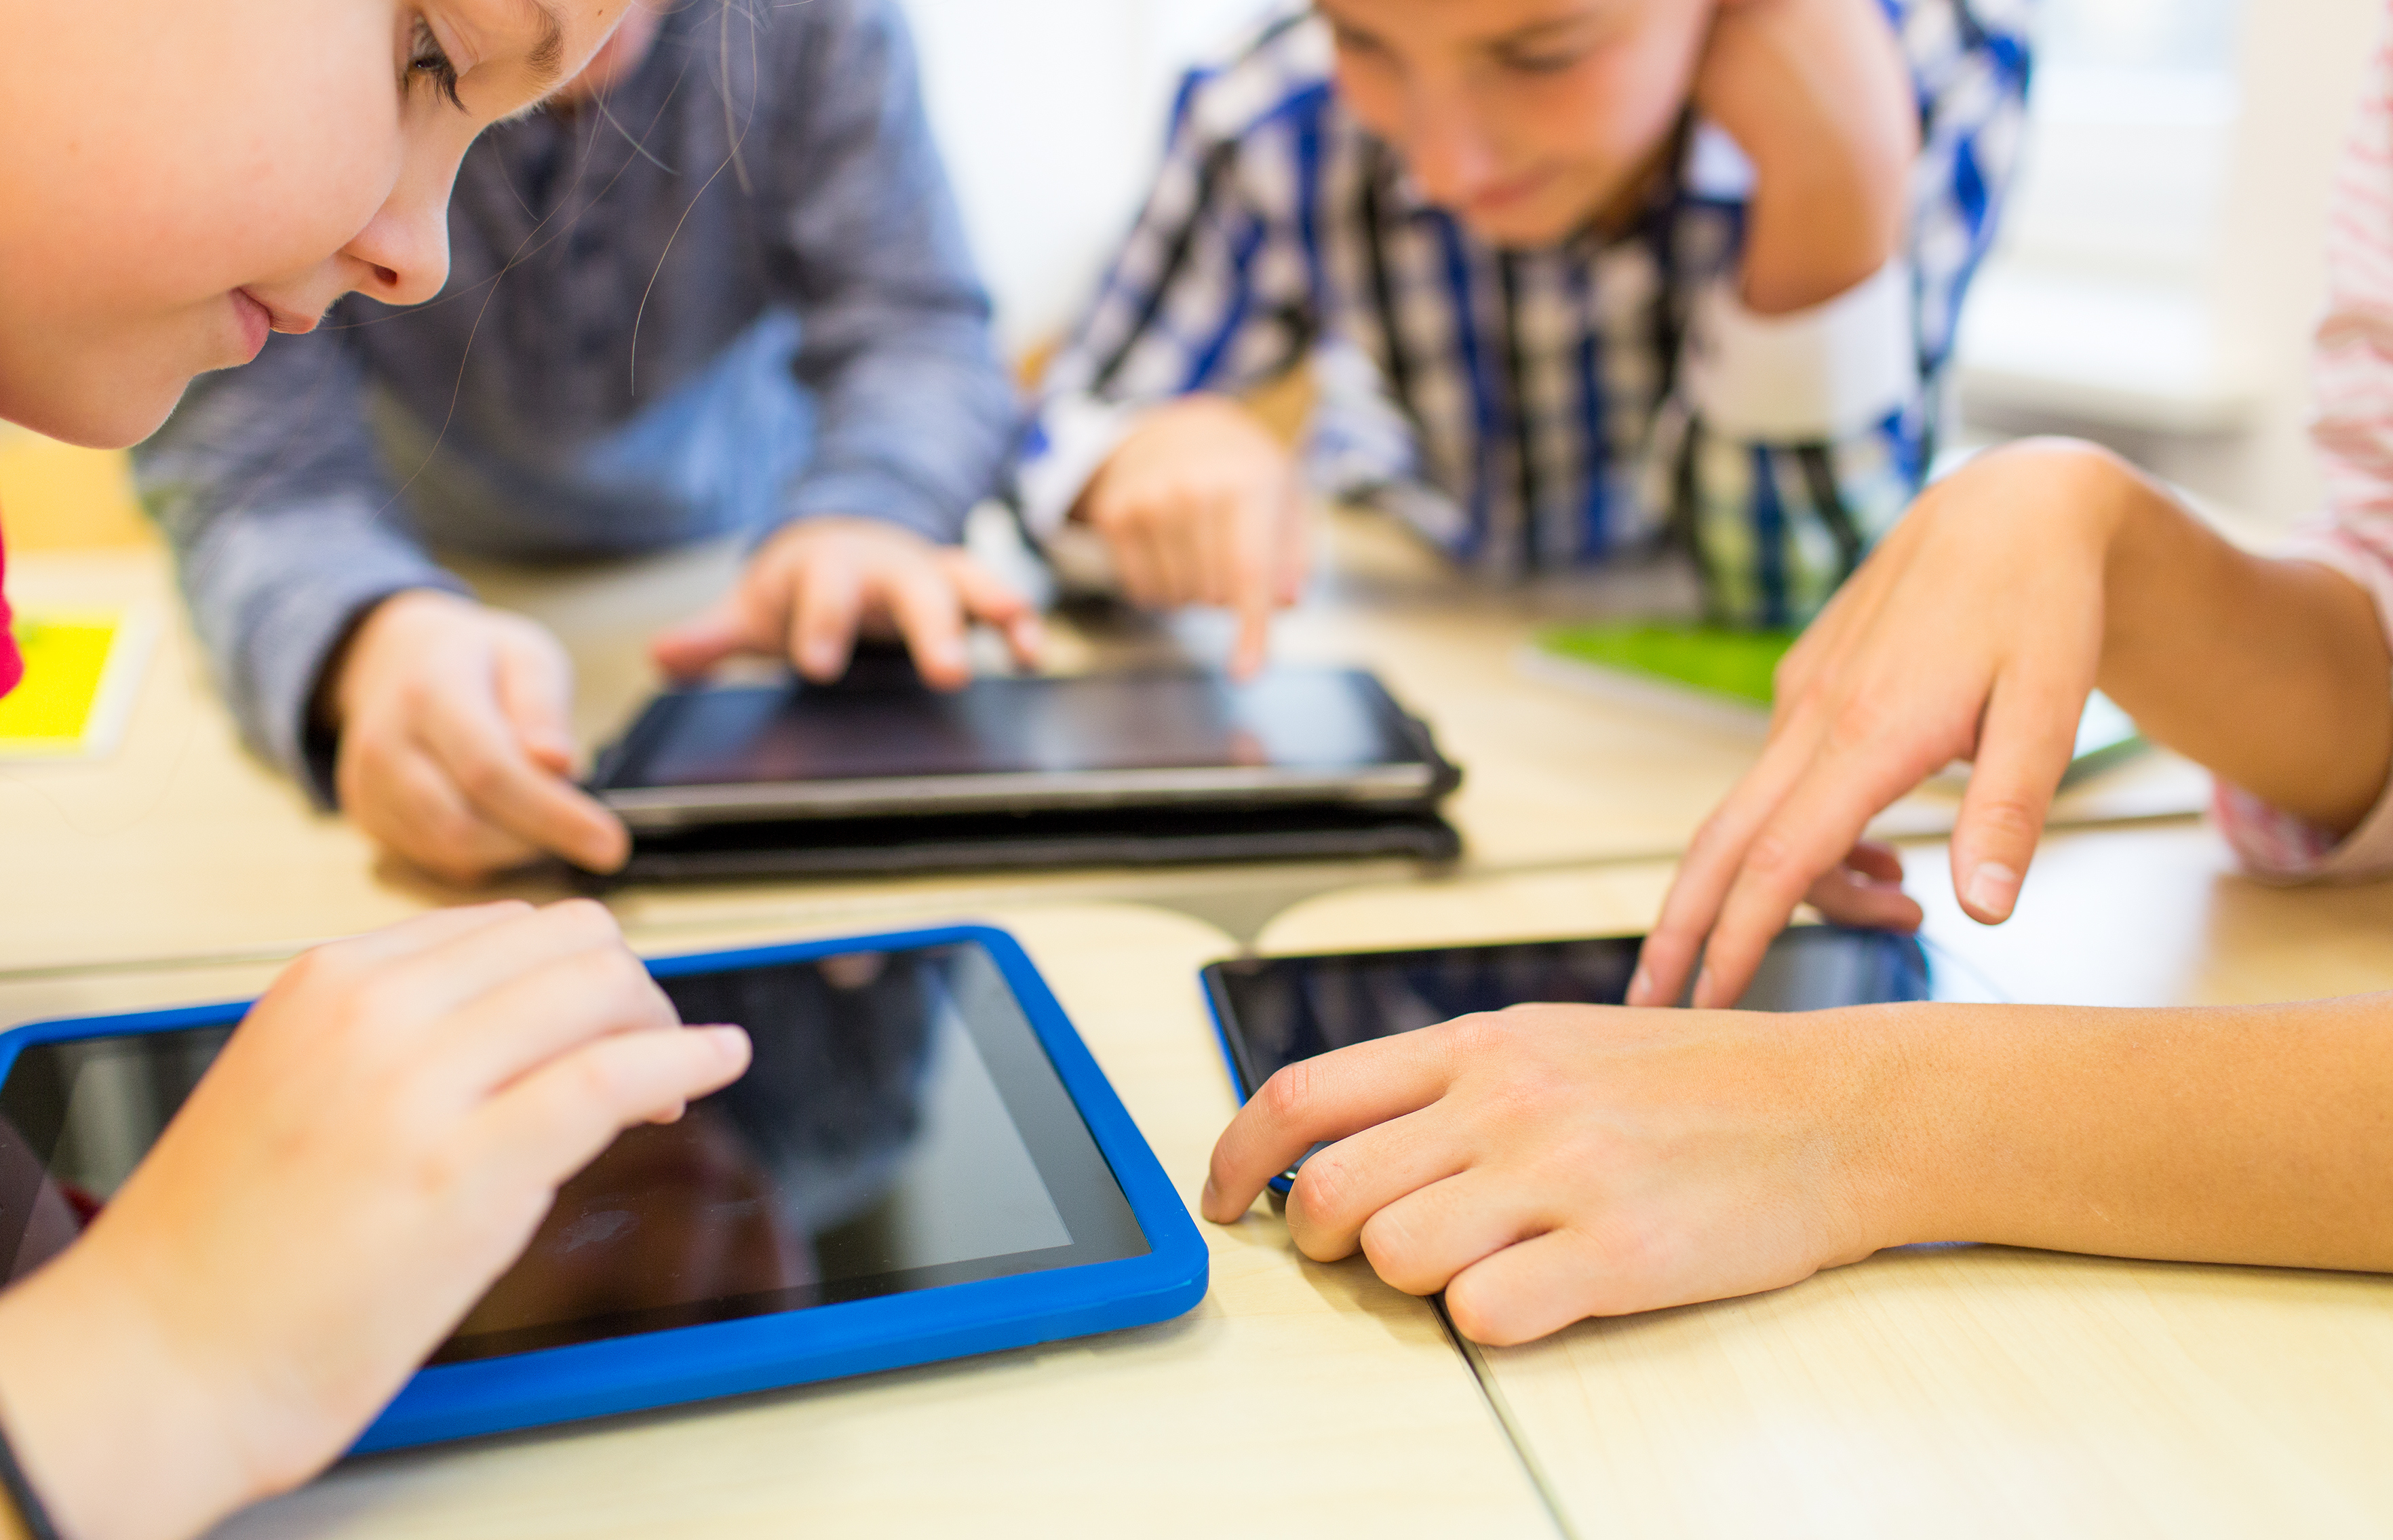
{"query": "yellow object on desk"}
[(81, 668)]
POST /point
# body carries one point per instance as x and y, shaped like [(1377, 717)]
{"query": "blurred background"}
[(2157, 278), (2159, 270)]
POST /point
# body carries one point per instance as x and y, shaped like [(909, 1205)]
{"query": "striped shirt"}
[(2352, 368), (1534, 409)]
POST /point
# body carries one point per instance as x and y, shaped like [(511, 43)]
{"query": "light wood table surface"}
[(181, 846), (1973, 1390), (1952, 1389), (1297, 1400)]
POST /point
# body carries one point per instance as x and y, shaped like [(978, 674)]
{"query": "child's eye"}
[(1360, 45), (1542, 63), (427, 61)]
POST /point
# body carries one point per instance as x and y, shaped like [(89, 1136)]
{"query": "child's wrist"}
[(95, 1385), (1900, 1146), (1791, 261)]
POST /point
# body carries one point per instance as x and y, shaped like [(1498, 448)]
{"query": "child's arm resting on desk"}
[(374, 1145), (1552, 1163)]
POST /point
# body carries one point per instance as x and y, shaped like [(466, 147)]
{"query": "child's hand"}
[(373, 1147), (456, 748), (1974, 633), (1200, 504), (1817, 94), (1552, 1162), (814, 587)]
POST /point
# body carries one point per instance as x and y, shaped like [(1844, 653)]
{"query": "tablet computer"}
[(921, 1162), (1272, 1011), (880, 743)]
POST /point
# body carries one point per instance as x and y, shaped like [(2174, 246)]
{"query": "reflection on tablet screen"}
[(1298, 720), (1276, 1011), (900, 1129)]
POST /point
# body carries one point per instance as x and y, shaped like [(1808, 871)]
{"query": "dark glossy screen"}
[(1276, 1011), (900, 1129), (1320, 719)]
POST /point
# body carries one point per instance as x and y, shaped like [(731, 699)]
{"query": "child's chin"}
[(117, 417), (1525, 228)]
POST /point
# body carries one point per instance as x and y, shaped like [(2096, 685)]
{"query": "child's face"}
[(177, 177), (1524, 118)]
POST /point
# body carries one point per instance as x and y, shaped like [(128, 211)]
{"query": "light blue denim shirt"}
[(736, 294)]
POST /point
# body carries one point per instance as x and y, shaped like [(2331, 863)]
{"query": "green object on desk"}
[(1737, 664), (1735, 669)]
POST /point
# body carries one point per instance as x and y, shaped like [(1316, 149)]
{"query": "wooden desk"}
[(1974, 1390), (1957, 1389), (1297, 1398), (180, 846)]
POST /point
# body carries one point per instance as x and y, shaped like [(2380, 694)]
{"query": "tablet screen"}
[(1275, 1010), (901, 1129), (1294, 719)]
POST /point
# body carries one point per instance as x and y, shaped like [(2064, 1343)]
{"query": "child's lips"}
[(258, 319), (1505, 196), (256, 322)]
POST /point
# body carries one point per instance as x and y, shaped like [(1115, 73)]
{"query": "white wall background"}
[(1052, 116), (2160, 272)]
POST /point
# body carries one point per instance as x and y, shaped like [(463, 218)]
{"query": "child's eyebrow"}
[(1540, 31)]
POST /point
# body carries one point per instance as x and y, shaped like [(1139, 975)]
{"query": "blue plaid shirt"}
[(1527, 409)]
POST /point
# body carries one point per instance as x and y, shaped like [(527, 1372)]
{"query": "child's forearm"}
[(92, 1391), (2251, 1134), (1817, 94), (2273, 673)]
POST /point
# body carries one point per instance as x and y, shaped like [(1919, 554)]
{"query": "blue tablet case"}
[(669, 1367)]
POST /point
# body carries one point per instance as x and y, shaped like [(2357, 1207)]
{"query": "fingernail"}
[(731, 1042), (1703, 990), (1639, 983), (821, 658), (1992, 888), (1206, 1200)]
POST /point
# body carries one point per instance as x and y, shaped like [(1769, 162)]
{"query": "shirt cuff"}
[(1070, 443), (864, 494), (292, 641), (1808, 376), (2273, 843), (2276, 846)]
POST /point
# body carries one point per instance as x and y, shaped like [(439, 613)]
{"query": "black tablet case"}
[(999, 841)]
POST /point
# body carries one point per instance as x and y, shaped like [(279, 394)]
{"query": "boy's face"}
[(1525, 119), (181, 176)]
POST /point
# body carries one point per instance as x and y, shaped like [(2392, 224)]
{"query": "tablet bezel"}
[(1217, 1003), (722, 1358), (1419, 781)]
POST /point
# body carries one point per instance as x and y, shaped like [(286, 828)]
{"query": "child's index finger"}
[(1319, 1100)]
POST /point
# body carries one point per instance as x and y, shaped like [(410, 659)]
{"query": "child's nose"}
[(1449, 154), (405, 252)]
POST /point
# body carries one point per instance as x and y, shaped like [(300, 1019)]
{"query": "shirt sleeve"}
[(915, 413), (285, 530), (1791, 443), (1211, 291), (1361, 448), (2352, 366)]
